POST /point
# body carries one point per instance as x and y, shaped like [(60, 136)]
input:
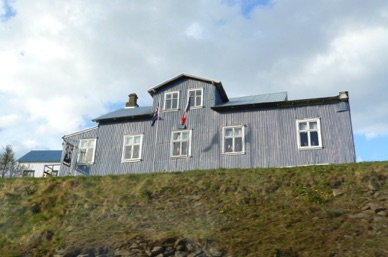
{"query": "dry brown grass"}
[(247, 212)]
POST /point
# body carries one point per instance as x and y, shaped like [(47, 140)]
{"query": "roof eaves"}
[(123, 118), (80, 132), (126, 113), (283, 104)]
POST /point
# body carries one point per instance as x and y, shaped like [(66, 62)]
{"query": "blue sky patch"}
[(247, 6), (7, 11)]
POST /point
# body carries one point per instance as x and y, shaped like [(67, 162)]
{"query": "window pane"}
[(129, 141), (314, 138), (185, 136), (302, 126), (303, 139), (127, 152), (313, 125), (228, 145), (228, 132), (174, 104), (176, 136), (168, 104), (89, 155), (198, 101), (237, 131), (136, 152), (137, 140), (184, 149), (176, 149), (238, 144)]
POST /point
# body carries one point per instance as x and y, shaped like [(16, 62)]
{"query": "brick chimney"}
[(132, 102)]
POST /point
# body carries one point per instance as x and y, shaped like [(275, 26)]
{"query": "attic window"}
[(196, 99), (171, 101)]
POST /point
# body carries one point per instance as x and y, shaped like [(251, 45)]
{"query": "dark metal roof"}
[(215, 83), (281, 103), (42, 156), (126, 113), (255, 99)]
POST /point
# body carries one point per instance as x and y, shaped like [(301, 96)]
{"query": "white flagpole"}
[(156, 136)]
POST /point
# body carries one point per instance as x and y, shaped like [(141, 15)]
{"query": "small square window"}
[(233, 140), (181, 143), (87, 148), (132, 148), (196, 98), (309, 134), (171, 101)]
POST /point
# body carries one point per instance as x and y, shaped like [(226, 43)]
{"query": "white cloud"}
[(8, 121), (195, 31), (63, 63)]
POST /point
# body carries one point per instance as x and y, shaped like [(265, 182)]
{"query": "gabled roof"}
[(126, 113), (216, 83), (255, 99), (42, 156)]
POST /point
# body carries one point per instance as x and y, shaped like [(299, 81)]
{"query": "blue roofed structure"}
[(39, 163), (41, 156)]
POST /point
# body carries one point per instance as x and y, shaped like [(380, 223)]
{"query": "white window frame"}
[(85, 150), (180, 141), (193, 102), (309, 132), (133, 144), (232, 147), (173, 108)]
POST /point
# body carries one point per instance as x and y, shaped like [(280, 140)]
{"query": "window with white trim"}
[(233, 140), (87, 148), (132, 148), (171, 101), (309, 133), (181, 143), (196, 97)]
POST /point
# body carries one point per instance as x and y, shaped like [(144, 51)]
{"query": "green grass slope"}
[(329, 210)]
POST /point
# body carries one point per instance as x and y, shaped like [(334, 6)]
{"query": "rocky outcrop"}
[(139, 247), (374, 211)]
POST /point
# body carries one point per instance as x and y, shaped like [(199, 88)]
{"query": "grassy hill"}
[(330, 210)]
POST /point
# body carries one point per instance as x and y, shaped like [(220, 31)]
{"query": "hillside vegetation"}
[(330, 210)]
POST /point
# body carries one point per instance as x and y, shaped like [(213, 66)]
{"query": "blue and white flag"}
[(155, 117)]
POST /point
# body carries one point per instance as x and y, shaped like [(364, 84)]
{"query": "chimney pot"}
[(132, 102)]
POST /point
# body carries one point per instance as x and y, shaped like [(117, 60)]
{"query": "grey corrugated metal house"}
[(200, 127)]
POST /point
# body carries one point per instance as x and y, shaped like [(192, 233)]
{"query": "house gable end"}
[(220, 94)]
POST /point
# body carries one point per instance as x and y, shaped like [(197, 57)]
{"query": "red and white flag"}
[(184, 116)]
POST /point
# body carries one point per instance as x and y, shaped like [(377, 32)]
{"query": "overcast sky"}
[(63, 63)]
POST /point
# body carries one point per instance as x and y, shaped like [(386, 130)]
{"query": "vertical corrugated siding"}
[(270, 137), (74, 140)]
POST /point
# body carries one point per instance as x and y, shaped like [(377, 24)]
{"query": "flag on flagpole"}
[(184, 116), (155, 117)]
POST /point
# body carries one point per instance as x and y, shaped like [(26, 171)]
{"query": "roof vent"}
[(132, 102)]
